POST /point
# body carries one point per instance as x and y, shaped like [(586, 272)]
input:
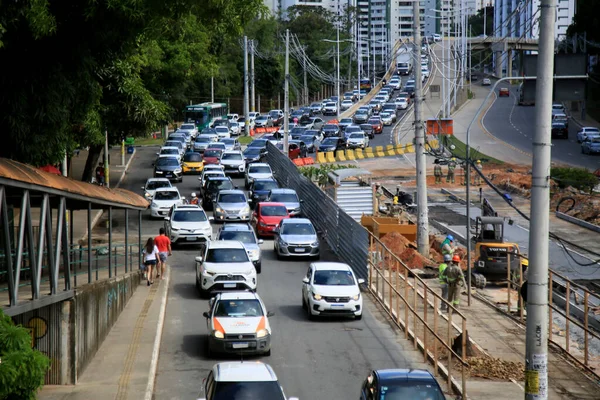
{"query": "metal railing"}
[(415, 308)]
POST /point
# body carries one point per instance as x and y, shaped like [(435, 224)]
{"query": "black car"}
[(368, 130), (212, 187), (333, 144), (560, 130), (330, 130), (260, 189), (168, 167), (254, 154), (401, 384)]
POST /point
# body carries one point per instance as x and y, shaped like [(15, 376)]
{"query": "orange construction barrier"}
[(298, 161), (308, 161)]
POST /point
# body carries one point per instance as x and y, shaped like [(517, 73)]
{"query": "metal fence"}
[(346, 237)]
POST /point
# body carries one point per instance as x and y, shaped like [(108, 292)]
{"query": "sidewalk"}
[(125, 364)]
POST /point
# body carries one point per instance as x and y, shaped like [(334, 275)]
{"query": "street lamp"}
[(337, 78)]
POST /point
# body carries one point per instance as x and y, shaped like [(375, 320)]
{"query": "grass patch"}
[(461, 152), (245, 139), (149, 141)]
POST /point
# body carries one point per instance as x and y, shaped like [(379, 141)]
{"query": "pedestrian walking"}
[(448, 246), (455, 278), (442, 279), (150, 257), (100, 174), (163, 244), (477, 176), (451, 167), (437, 171)]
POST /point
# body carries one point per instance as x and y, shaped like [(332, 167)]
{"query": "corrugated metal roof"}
[(16, 174), (338, 175)]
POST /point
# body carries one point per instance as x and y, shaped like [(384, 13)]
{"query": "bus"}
[(204, 114), (365, 84)]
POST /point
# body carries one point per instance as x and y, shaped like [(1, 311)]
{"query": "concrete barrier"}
[(577, 221)]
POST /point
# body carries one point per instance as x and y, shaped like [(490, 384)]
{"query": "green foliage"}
[(460, 151), (476, 22), (23, 368), (319, 173), (578, 178)]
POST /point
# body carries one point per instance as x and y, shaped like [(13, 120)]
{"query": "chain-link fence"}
[(347, 238)]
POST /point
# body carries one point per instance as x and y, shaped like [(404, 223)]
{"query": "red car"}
[(267, 216), (212, 156), (503, 92), (376, 124)]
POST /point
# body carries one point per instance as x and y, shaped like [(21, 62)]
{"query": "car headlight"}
[(253, 253), (356, 297), (315, 244), (184, 165), (250, 271), (262, 224), (262, 333), (148, 195), (177, 171), (246, 209), (219, 210), (211, 273), (154, 205), (158, 172), (317, 296), (218, 334), (175, 229)]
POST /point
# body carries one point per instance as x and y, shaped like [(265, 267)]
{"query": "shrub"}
[(319, 174), (578, 178), (22, 368)]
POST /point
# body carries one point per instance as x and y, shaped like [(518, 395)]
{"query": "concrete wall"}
[(97, 307)]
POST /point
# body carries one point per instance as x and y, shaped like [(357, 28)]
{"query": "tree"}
[(586, 20), (23, 368), (476, 22)]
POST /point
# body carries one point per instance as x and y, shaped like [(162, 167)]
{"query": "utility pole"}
[(536, 348), (337, 80), (252, 92), (286, 94), (246, 94), (305, 101), (106, 162), (212, 89), (421, 160)]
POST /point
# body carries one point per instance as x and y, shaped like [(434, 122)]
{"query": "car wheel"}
[(582, 151), (258, 268), (309, 313), (268, 353), (304, 306), (358, 317)]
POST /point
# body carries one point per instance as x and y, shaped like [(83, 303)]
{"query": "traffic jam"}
[(239, 210)]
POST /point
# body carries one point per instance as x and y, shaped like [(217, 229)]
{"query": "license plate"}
[(191, 238), (337, 305), (193, 169), (229, 285), (300, 250), (240, 345)]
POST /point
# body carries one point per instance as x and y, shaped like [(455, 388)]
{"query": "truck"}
[(527, 97), (404, 63)]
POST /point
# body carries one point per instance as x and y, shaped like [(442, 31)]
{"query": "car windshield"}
[(357, 136), (335, 278), (192, 157), (258, 143), (220, 256), (212, 153), (153, 185), (203, 139), (297, 229), (259, 170), (246, 237), (374, 121), (410, 390), (252, 151), (222, 128), (265, 185), (330, 127), (220, 184), (330, 141), (228, 141), (167, 162), (307, 138), (166, 195), (238, 309), (169, 151), (232, 198), (346, 121), (172, 143), (189, 216), (248, 390), (273, 211), (232, 156), (188, 126), (284, 198)]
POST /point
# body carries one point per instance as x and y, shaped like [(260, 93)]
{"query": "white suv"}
[(247, 379), (233, 162), (188, 223), (224, 266)]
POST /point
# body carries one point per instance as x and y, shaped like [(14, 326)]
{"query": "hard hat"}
[(453, 159), (193, 194), (456, 258), (450, 238), (447, 257), (478, 161)]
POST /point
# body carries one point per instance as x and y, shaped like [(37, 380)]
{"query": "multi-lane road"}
[(325, 359)]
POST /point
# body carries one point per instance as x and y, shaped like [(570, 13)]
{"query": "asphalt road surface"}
[(325, 359), (515, 124)]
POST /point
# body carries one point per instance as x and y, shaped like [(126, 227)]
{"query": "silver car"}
[(231, 205), (203, 141), (289, 197), (233, 161), (296, 237), (257, 171)]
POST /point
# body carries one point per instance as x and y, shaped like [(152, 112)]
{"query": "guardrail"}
[(415, 308)]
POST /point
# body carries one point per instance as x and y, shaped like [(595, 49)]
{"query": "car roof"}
[(283, 190), (259, 165), (296, 221), (232, 152), (189, 207), (168, 189), (236, 226), (271, 204), (225, 244), (241, 295), (243, 371), (387, 375), (329, 266), (158, 180)]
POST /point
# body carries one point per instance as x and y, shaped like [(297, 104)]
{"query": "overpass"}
[(498, 43)]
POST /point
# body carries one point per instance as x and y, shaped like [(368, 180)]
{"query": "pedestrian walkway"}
[(124, 366), (576, 118)]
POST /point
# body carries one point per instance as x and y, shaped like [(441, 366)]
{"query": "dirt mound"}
[(570, 201), (406, 250), (495, 368)]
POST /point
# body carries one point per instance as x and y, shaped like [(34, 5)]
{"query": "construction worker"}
[(447, 245), (442, 279), (463, 173), (451, 167), (477, 176), (437, 171), (455, 278)]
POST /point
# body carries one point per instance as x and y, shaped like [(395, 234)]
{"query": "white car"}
[(235, 128), (224, 266), (238, 322), (188, 223), (189, 128), (232, 117), (206, 172), (252, 115), (425, 71), (233, 162), (437, 37), (254, 378), (396, 84), (486, 82), (257, 171), (154, 183), (346, 104), (401, 103), (330, 288), (223, 132), (330, 108), (163, 200), (357, 140), (170, 151), (387, 118), (586, 131)]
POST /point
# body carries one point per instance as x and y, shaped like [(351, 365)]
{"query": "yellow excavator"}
[(493, 254)]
